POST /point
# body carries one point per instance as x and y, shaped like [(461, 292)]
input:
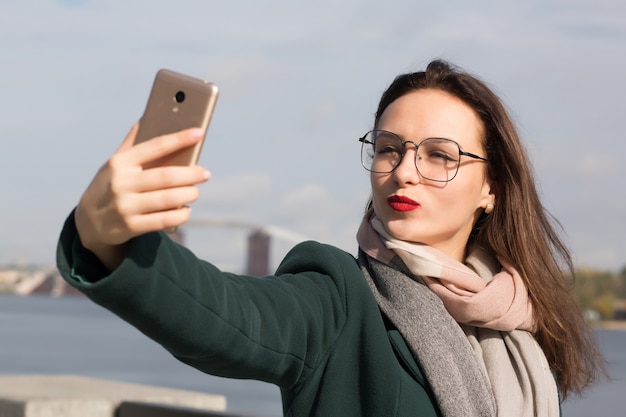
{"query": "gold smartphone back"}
[(177, 102)]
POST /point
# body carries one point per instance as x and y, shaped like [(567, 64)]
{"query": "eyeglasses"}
[(436, 159)]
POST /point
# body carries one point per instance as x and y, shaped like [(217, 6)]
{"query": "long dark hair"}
[(519, 229)]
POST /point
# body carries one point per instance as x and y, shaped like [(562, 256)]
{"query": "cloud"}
[(237, 192), (599, 166), (299, 84), (580, 164), (316, 211)]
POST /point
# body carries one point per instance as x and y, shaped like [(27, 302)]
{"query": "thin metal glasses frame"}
[(365, 142)]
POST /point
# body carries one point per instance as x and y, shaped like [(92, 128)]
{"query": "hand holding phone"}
[(126, 199)]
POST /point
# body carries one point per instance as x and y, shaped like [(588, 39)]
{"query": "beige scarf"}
[(491, 304)]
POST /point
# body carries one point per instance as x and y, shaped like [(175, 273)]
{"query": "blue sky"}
[(299, 84)]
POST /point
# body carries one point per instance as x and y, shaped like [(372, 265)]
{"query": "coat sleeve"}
[(275, 329)]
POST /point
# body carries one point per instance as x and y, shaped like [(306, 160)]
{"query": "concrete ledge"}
[(74, 396), (129, 409)]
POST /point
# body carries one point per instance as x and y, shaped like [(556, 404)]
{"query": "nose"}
[(406, 172)]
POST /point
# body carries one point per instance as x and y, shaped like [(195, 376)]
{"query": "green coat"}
[(313, 329)]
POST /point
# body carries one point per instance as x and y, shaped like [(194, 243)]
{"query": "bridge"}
[(259, 240)]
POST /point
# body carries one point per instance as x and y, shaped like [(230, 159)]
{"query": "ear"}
[(488, 198)]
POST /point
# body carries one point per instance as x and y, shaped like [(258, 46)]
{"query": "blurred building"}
[(258, 254)]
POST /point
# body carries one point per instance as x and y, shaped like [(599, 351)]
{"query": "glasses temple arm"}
[(471, 155)]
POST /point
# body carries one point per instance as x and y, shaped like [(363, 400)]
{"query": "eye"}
[(387, 145), (441, 154), (387, 149), (439, 150)]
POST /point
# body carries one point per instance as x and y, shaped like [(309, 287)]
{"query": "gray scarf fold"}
[(459, 381)]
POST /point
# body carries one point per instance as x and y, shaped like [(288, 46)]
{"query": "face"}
[(437, 214)]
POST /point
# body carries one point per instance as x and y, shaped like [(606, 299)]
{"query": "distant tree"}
[(599, 290), (605, 305), (621, 283)]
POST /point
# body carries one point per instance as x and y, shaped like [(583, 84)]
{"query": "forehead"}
[(428, 113)]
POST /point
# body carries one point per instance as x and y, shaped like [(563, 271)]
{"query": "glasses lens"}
[(438, 159), (381, 151)]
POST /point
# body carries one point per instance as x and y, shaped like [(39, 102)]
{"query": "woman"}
[(456, 305)]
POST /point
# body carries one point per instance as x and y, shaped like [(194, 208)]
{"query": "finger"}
[(157, 201), (161, 146), (171, 176), (163, 220), (129, 141)]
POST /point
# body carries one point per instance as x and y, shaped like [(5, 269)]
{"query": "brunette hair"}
[(520, 230)]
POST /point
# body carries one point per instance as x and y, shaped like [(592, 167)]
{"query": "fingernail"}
[(206, 174), (195, 133)]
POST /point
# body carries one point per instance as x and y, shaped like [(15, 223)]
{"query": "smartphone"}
[(176, 102)]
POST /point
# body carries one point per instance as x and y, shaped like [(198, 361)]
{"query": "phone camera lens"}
[(179, 97)]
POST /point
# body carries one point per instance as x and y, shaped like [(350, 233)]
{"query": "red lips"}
[(401, 203)]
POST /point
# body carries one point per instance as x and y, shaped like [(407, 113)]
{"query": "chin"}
[(398, 230)]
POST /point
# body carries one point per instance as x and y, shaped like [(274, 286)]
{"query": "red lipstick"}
[(401, 203)]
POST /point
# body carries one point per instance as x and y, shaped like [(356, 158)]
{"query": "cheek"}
[(378, 195), (457, 195), (464, 198), (375, 184)]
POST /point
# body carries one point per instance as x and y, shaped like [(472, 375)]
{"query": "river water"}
[(44, 335)]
